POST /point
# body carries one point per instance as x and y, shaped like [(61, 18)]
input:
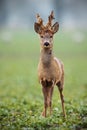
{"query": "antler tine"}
[(39, 19), (50, 18)]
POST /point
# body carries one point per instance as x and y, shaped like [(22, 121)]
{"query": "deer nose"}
[(46, 43)]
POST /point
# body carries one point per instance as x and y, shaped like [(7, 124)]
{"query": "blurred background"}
[(19, 44), (21, 13)]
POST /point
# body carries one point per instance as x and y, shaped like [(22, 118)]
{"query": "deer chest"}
[(49, 72)]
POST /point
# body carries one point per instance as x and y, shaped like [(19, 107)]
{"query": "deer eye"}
[(41, 36), (51, 36)]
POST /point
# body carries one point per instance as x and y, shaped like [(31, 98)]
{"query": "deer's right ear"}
[(37, 28)]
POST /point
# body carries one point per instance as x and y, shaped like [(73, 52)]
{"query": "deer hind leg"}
[(60, 87)]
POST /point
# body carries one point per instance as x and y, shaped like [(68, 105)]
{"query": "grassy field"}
[(21, 99)]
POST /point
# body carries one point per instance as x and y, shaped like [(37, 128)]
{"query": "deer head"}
[(47, 31)]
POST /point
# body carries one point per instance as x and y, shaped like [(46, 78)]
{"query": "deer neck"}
[(46, 56)]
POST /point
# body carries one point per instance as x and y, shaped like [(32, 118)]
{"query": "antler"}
[(40, 27), (39, 20), (50, 18)]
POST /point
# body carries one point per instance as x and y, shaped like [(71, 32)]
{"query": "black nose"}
[(46, 43)]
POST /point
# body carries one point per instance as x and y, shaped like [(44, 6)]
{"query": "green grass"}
[(21, 99)]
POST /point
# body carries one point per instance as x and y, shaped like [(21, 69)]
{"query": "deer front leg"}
[(47, 92), (45, 101), (47, 89), (50, 98)]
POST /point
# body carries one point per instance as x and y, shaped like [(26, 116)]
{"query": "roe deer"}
[(50, 69)]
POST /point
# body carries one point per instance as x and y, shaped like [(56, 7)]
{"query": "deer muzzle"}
[(46, 44)]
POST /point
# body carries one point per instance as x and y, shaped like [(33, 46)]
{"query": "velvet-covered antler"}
[(39, 20), (53, 28), (50, 18), (39, 27)]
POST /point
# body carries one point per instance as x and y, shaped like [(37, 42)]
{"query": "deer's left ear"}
[(55, 27)]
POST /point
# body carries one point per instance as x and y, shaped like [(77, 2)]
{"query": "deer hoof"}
[(43, 114)]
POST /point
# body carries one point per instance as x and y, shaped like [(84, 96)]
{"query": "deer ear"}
[(37, 28), (55, 27)]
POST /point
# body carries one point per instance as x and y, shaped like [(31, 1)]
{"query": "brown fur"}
[(50, 69)]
